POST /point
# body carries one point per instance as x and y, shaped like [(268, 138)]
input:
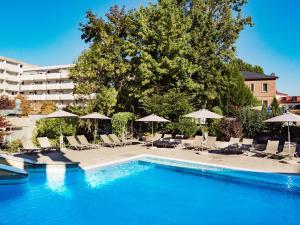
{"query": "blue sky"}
[(46, 33)]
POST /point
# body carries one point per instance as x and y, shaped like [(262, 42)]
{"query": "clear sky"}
[(46, 33)]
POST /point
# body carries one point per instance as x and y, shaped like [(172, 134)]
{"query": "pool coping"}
[(111, 163)]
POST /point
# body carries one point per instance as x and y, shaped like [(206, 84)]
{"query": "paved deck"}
[(89, 158)]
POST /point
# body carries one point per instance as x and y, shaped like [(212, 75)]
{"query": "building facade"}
[(262, 86), (38, 84)]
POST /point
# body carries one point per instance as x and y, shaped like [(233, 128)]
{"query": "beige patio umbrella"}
[(60, 114), (96, 117), (203, 114), (285, 118), (153, 118)]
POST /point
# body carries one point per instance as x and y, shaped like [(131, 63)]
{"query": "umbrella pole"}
[(289, 139), (95, 131), (152, 135), (61, 138)]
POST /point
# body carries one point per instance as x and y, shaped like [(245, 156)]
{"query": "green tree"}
[(243, 66), (275, 107), (171, 45), (170, 105), (235, 92)]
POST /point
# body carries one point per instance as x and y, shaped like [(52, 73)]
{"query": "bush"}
[(230, 128), (14, 146), (185, 126), (120, 122), (6, 103), (252, 121), (25, 105), (51, 128), (47, 107)]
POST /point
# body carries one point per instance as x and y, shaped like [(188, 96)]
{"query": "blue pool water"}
[(145, 193)]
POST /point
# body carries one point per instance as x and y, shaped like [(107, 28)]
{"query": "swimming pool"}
[(152, 191)]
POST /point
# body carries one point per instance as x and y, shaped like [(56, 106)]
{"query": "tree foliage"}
[(47, 107), (25, 105), (158, 50), (6, 103), (4, 124), (275, 107), (185, 126), (120, 123)]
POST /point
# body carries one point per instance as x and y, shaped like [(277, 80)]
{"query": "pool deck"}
[(104, 155)]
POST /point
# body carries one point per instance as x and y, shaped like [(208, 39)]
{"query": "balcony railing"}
[(66, 86), (12, 78), (51, 97), (12, 87), (13, 68), (52, 86)]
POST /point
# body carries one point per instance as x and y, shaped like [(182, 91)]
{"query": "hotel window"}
[(264, 87), (252, 87)]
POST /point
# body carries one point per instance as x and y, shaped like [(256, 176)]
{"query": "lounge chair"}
[(27, 146), (107, 141), (271, 149), (234, 143), (210, 142), (196, 144), (247, 144), (167, 136), (116, 140), (45, 144), (75, 145), (157, 137), (83, 141), (288, 152)]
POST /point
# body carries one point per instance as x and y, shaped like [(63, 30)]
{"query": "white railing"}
[(2, 86), (64, 75), (52, 86), (2, 65), (67, 86), (13, 68), (67, 97), (12, 78), (36, 97), (53, 76), (28, 87), (27, 77), (40, 87), (12, 87), (53, 97)]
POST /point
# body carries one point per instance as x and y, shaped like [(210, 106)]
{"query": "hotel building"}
[(48, 83)]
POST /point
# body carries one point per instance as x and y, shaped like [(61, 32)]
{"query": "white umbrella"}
[(60, 114), (95, 116), (285, 118), (153, 118), (203, 114)]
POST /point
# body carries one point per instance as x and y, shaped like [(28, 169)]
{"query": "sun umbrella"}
[(95, 116), (153, 118), (60, 114), (203, 114), (285, 118)]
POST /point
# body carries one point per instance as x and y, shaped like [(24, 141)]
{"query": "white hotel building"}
[(47, 83)]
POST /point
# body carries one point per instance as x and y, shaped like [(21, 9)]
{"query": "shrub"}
[(47, 107), (6, 103), (252, 121), (51, 128), (230, 128), (14, 146), (120, 122), (25, 105), (4, 124), (185, 126)]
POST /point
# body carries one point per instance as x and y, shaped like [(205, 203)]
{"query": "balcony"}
[(52, 86), (64, 75), (27, 77), (36, 97), (2, 65), (2, 86), (12, 78), (53, 97), (39, 87), (53, 76), (13, 68), (67, 97), (64, 86), (40, 77), (28, 87), (12, 87)]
